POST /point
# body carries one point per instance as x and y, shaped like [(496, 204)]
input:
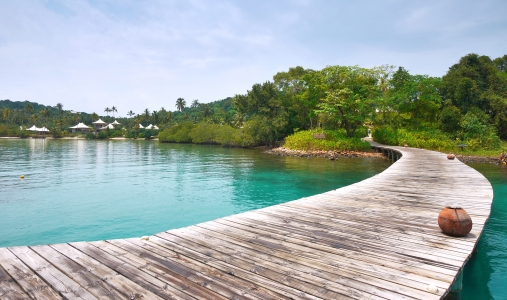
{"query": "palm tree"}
[(180, 104), (59, 106), (147, 114), (45, 113), (130, 113), (154, 117), (94, 116), (107, 110), (113, 109), (206, 111), (28, 110), (195, 103), (6, 114)]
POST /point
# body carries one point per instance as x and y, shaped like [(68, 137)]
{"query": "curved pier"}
[(376, 239)]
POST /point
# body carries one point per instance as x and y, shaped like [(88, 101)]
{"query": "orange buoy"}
[(454, 221), (451, 156)]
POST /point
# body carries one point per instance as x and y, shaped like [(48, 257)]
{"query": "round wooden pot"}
[(454, 221), (451, 156)]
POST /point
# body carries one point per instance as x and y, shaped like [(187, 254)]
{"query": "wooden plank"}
[(168, 242), (61, 283), (26, 278), (226, 284), (9, 289), (149, 283), (371, 283), (114, 279), (78, 273)]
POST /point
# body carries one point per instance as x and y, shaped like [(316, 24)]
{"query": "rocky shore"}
[(467, 159), (331, 154)]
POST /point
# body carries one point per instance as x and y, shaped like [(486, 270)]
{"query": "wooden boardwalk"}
[(376, 239)]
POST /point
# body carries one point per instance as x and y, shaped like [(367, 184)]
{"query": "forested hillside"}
[(468, 105)]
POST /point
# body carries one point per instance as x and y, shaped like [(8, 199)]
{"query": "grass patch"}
[(335, 140)]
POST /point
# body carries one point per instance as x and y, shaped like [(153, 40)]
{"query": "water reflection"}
[(91, 190)]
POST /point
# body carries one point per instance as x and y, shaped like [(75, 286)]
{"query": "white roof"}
[(155, 127), (33, 128), (110, 126), (115, 123), (80, 126), (99, 121), (141, 126), (44, 129), (149, 126)]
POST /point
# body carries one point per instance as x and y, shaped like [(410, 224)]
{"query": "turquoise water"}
[(485, 274), (77, 190)]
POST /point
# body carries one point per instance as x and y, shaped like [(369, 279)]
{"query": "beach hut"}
[(97, 125), (43, 130), (149, 127), (155, 127), (141, 126), (80, 128), (110, 126), (33, 128), (115, 123)]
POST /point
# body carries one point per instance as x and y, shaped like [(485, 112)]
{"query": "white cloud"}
[(91, 54)]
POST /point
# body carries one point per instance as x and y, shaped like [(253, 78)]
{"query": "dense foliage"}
[(468, 105), (334, 140)]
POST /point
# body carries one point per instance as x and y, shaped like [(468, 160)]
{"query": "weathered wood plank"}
[(9, 289), (26, 278), (60, 282)]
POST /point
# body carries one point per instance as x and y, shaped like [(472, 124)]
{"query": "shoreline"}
[(329, 154), (335, 154)]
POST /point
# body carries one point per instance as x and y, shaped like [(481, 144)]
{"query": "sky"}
[(135, 54)]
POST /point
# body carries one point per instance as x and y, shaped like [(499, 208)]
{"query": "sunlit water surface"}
[(77, 190)]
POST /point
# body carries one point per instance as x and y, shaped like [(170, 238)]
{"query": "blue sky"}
[(92, 54)]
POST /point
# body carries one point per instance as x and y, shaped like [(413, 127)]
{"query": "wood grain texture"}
[(375, 239)]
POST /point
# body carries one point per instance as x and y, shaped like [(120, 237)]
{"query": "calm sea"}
[(77, 190)]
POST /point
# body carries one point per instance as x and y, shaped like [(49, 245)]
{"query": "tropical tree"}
[(154, 117), (180, 104), (130, 113), (206, 111), (113, 109), (107, 110), (28, 110), (147, 115), (350, 95), (195, 103), (59, 107), (6, 115), (45, 113), (94, 116)]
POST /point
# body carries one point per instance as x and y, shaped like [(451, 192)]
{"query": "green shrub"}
[(23, 134), (177, 134), (56, 133), (90, 136), (474, 134), (102, 135), (335, 140), (3, 130)]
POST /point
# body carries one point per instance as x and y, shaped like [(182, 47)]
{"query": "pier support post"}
[(455, 290)]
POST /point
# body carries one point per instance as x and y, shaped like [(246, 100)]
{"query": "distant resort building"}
[(36, 129), (150, 127), (80, 128), (97, 125)]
